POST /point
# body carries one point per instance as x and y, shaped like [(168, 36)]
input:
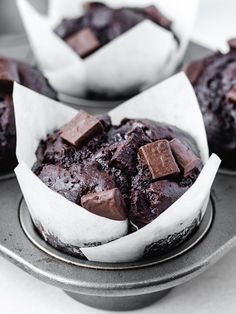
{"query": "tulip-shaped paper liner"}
[(172, 101), (140, 57)]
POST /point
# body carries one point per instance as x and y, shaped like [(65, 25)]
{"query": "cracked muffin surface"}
[(142, 165)]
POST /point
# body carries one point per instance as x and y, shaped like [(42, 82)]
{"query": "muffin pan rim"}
[(7, 176), (227, 172)]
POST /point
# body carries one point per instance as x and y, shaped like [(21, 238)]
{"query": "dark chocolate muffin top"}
[(101, 24), (136, 169), (10, 71), (214, 81)]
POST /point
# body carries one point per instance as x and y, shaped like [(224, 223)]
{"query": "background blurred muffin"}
[(10, 71), (214, 81)]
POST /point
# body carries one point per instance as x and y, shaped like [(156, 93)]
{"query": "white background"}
[(212, 292)]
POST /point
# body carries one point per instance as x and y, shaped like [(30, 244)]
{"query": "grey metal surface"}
[(15, 46), (227, 172), (6, 176), (124, 303), (195, 51), (10, 21)]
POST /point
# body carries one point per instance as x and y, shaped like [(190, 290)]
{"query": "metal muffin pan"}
[(117, 286), (10, 20), (6, 176)]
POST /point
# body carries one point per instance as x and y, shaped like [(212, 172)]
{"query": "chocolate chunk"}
[(8, 74), (126, 153), (109, 204), (162, 194), (159, 159), (231, 96), (81, 128), (232, 43), (157, 17), (186, 159), (194, 70), (83, 42)]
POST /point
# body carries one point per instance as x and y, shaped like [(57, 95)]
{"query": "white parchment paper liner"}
[(145, 54), (172, 101)]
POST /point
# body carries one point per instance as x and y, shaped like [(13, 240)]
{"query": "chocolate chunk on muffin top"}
[(101, 24), (10, 71), (136, 169), (214, 81)]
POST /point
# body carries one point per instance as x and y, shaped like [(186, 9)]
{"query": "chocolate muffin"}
[(10, 71), (214, 81), (136, 169), (101, 24)]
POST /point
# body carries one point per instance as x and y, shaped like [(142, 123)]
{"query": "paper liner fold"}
[(173, 102), (142, 56)]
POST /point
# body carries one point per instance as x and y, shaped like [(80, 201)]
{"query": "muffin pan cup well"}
[(7, 176), (117, 286)]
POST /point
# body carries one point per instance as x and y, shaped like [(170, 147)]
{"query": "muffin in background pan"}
[(108, 52), (12, 70), (101, 24), (214, 82)]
